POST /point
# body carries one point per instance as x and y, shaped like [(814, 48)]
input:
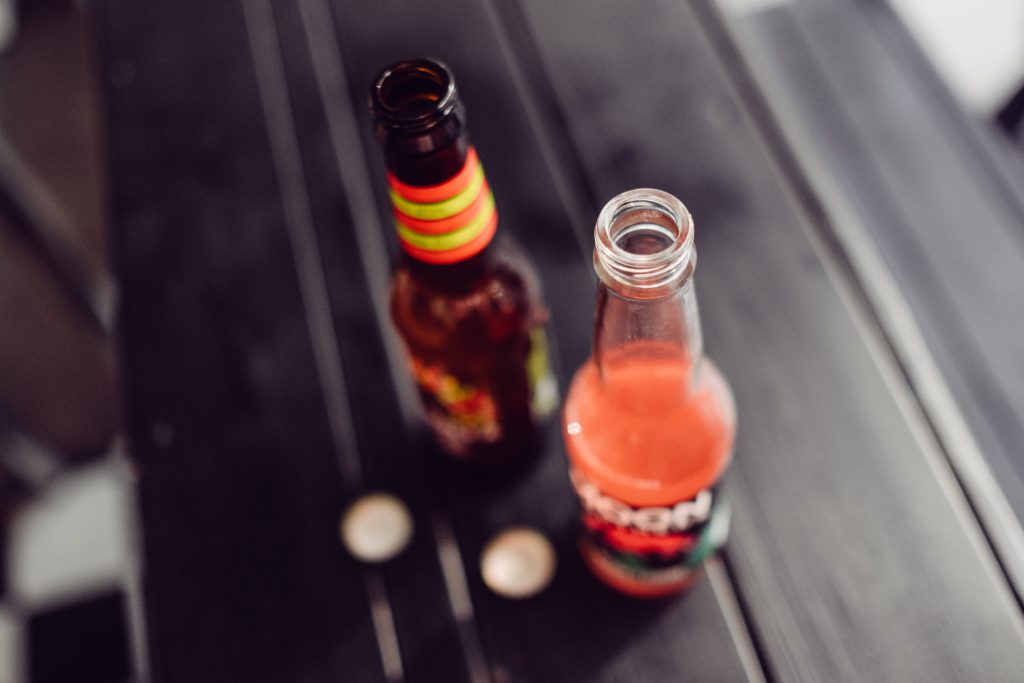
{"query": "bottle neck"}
[(445, 222), (443, 208), (428, 168), (646, 304), (664, 329)]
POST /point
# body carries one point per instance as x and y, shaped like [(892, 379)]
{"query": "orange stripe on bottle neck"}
[(452, 223), (461, 253), (432, 194)]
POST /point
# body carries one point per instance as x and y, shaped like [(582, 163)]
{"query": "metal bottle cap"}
[(518, 563), (376, 527)]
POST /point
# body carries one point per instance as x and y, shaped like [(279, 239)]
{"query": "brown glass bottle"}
[(466, 303)]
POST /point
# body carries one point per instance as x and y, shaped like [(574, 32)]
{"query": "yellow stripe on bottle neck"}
[(445, 209), (451, 240)]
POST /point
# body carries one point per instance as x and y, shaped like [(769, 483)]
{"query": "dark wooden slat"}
[(240, 490), (934, 203), (576, 629), (390, 459), (854, 557)]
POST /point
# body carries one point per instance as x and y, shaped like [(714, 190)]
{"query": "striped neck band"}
[(448, 222)]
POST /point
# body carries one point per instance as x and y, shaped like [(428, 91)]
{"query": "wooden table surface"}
[(266, 388)]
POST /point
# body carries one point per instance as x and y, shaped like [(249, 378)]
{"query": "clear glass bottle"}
[(466, 303), (649, 421)]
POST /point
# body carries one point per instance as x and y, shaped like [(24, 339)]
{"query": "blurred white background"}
[(977, 46)]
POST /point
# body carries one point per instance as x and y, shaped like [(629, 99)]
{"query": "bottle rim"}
[(664, 256), (393, 113)]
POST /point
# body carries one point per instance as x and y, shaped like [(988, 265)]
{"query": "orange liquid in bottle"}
[(644, 435)]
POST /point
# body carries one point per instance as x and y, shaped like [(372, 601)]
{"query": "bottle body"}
[(649, 422), (646, 461), (466, 304), (477, 348)]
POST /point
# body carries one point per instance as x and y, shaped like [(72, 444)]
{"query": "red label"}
[(460, 414), (647, 549)]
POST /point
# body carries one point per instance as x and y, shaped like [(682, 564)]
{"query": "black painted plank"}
[(936, 204), (240, 491), (86, 641), (576, 630), (854, 557), (390, 458)]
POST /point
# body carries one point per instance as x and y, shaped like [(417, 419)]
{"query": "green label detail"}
[(543, 387)]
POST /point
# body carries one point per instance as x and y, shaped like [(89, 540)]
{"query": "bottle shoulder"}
[(502, 259), (651, 386), (486, 301), (650, 433), (711, 382)]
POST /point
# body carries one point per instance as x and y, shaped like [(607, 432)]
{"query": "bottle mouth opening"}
[(644, 240), (416, 91)]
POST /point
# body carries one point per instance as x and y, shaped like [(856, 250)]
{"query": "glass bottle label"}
[(459, 413), (644, 548), (463, 414)]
